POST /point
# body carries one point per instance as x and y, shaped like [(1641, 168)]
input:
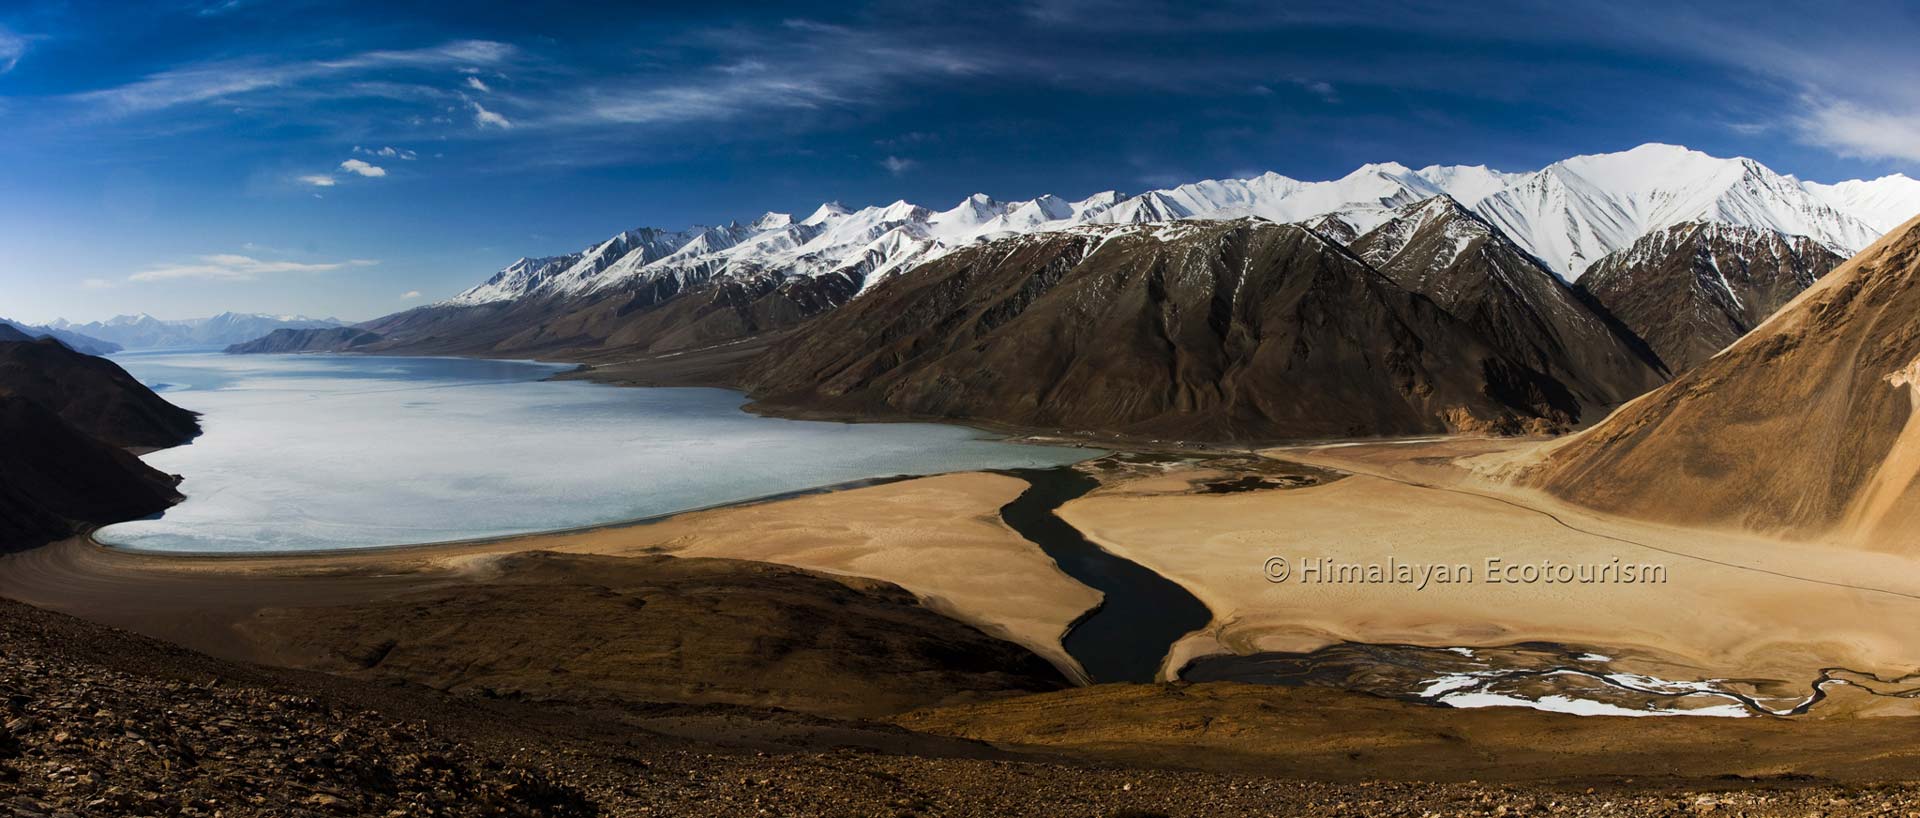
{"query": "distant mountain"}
[(147, 332), (1568, 215), (74, 340), (1441, 250), (1694, 288), (333, 339), (1239, 329), (1809, 426), (863, 246)]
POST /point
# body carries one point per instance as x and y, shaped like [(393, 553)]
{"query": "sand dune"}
[(1804, 428)]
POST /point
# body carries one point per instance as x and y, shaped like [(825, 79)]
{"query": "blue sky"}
[(337, 158)]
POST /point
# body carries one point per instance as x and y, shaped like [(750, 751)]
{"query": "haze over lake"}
[(342, 451)]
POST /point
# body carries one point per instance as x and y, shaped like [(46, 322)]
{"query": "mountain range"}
[(1568, 214), (147, 332), (73, 340), (1235, 329), (982, 310)]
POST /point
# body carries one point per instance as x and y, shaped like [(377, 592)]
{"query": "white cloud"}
[(475, 83), (233, 267), (822, 66), (362, 168), (217, 81), (388, 152), (897, 166), (409, 295), (97, 284), (11, 47), (1320, 88), (219, 7), (1859, 133), (483, 117), (318, 180)]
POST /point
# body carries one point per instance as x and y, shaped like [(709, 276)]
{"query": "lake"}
[(304, 452)]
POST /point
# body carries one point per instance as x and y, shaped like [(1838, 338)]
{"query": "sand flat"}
[(940, 537), (1408, 503)]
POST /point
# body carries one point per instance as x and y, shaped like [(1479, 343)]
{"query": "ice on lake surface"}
[(306, 452)]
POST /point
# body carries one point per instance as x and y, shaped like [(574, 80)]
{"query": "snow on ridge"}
[(1884, 203), (1568, 214), (1578, 210)]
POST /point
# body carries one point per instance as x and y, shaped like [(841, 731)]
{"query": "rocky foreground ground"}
[(100, 722)]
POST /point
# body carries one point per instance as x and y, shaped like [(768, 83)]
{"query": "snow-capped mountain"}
[(147, 332), (1694, 288), (1569, 215), (1884, 203), (1577, 210), (873, 242), (74, 340)]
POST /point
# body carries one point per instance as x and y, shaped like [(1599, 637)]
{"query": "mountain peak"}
[(1386, 168), (1567, 215), (826, 212)]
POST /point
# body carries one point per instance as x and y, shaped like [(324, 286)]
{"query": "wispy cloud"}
[(1843, 88), (476, 84), (483, 117), (409, 295), (1856, 132), (318, 180), (215, 8), (1320, 88), (805, 66), (206, 82), (233, 267), (12, 46), (362, 168), (388, 152), (898, 166)]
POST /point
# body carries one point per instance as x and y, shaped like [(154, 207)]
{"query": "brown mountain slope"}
[(1219, 330), (592, 628), (328, 339), (54, 478), (1333, 228), (654, 316), (93, 394), (1692, 289), (1804, 427), (1441, 250)]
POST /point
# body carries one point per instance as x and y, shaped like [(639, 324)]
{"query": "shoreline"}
[(976, 570), (585, 368), (478, 542)]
